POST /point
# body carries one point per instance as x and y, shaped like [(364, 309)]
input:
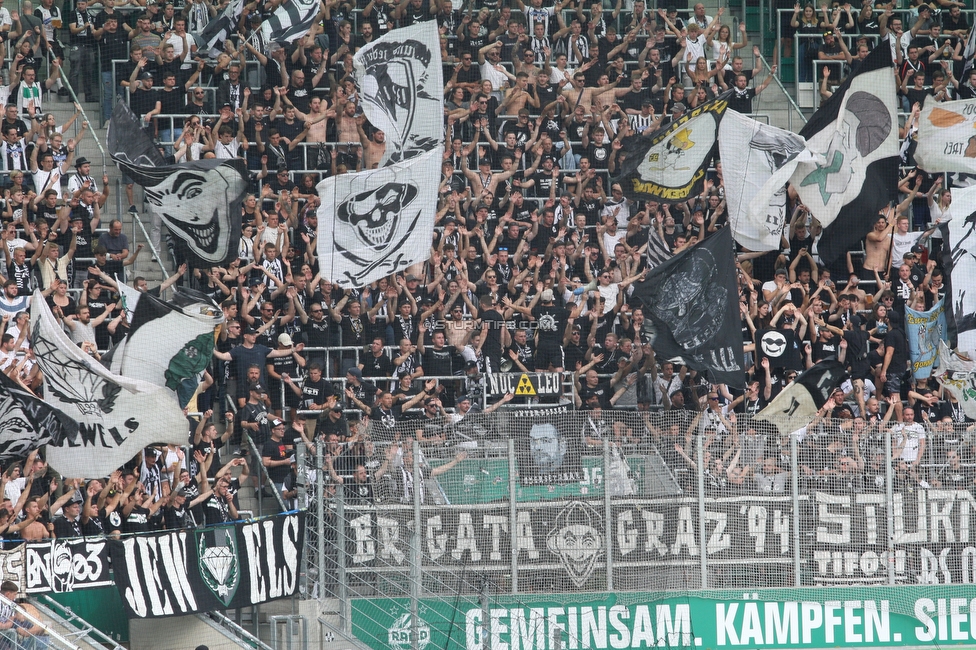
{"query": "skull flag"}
[(692, 304), (200, 201), (377, 222)]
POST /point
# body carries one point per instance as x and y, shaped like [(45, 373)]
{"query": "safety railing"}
[(21, 634), (84, 629)]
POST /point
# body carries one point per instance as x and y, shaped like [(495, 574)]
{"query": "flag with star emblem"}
[(854, 136)]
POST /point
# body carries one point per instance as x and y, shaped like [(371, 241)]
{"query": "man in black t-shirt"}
[(895, 359), (277, 455), (219, 508), (254, 415), (143, 100), (551, 326), (741, 98), (492, 328), (69, 523)]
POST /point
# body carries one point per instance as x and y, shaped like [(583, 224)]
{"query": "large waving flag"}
[(797, 404), (378, 222), (759, 151), (200, 201), (669, 165), (170, 343), (290, 21), (693, 302), (116, 416), (211, 38), (959, 262), (947, 136), (28, 422), (855, 133)]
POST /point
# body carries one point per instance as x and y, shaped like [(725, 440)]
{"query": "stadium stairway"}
[(117, 206)]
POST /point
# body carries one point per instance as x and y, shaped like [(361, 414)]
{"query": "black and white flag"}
[(855, 136), (290, 21), (797, 404), (959, 260), (760, 151), (378, 221), (401, 87), (27, 422), (116, 416), (692, 302), (199, 201), (780, 346), (657, 248), (170, 343), (211, 38), (669, 165), (219, 567)]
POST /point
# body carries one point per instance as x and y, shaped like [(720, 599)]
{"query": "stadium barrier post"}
[(415, 573), (512, 511), (701, 510), (889, 511), (795, 490), (607, 512)]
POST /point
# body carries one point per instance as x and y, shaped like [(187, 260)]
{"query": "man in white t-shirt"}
[(909, 438)]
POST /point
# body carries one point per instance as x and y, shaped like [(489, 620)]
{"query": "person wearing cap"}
[(278, 455), (360, 394), (69, 523), (143, 100), (277, 368), (334, 423)]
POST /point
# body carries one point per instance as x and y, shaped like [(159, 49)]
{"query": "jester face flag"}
[(200, 201)]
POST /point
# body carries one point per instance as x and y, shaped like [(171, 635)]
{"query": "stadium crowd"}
[(532, 261)]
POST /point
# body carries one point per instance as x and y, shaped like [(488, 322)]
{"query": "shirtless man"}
[(373, 147), (578, 93), (36, 529), (877, 243), (457, 329), (346, 123), (517, 97)]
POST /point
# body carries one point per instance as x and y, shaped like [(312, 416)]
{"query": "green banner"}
[(908, 616), (484, 481)]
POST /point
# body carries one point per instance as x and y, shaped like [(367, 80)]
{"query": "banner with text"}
[(57, 566), (222, 567), (843, 537), (852, 617)]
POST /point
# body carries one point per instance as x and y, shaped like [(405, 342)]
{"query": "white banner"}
[(401, 87), (378, 222), (865, 130), (116, 416), (946, 136), (759, 151)]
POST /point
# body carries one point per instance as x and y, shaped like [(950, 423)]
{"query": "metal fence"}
[(562, 501)]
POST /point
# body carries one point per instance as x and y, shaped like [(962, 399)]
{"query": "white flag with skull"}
[(379, 221)]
